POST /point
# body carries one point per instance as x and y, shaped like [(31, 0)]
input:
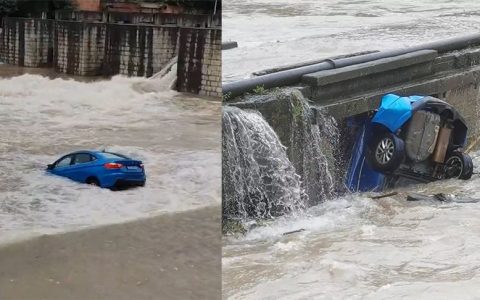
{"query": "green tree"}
[(7, 7)]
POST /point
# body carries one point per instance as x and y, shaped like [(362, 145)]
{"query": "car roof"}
[(93, 152)]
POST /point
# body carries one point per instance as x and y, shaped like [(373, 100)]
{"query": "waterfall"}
[(279, 156), (258, 178)]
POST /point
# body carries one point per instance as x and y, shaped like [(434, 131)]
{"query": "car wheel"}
[(93, 181), (386, 153), (458, 165)]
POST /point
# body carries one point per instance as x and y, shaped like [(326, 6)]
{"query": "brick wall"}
[(200, 61), (26, 42)]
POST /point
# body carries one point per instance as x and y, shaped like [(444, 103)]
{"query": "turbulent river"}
[(177, 136), (274, 33), (353, 247)]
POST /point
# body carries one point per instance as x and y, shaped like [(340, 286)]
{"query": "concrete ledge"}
[(432, 86), (361, 70)]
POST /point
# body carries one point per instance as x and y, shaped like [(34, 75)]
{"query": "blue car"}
[(103, 169), (407, 139)]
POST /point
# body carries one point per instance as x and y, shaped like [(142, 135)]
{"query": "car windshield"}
[(110, 155)]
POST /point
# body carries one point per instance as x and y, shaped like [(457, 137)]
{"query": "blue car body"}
[(394, 112), (105, 169)]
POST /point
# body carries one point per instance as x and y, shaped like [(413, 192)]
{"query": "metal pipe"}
[(293, 76)]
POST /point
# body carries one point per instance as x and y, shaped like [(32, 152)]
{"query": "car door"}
[(62, 166), (81, 167)]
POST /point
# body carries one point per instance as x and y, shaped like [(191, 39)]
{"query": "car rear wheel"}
[(386, 153), (93, 181), (458, 165)]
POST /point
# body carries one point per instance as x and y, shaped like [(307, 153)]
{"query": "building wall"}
[(181, 20), (200, 62), (87, 5)]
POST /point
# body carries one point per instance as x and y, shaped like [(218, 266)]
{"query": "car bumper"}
[(123, 183), (129, 179)]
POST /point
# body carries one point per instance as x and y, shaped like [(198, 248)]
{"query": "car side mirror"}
[(50, 167)]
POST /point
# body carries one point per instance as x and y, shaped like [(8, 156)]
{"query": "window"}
[(66, 161), (82, 158)]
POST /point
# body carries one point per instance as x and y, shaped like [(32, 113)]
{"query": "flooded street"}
[(274, 33), (177, 136), (355, 247)]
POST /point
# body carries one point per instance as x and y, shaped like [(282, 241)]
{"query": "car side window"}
[(64, 162), (82, 158)]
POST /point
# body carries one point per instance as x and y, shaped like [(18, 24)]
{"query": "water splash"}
[(258, 178)]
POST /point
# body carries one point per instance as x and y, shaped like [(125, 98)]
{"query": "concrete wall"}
[(200, 61), (139, 50), (26, 42), (79, 48), (453, 77), (95, 48)]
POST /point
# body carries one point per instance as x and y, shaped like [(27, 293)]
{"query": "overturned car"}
[(407, 139)]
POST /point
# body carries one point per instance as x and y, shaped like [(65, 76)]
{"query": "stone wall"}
[(79, 48), (200, 61), (26, 42)]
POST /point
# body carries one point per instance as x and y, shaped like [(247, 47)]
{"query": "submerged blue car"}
[(407, 139), (104, 169)]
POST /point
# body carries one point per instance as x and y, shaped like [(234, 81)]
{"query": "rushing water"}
[(353, 247), (273, 33), (259, 180), (176, 135)]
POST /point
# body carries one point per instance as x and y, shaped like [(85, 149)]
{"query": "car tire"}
[(458, 165), (386, 152), (93, 181)]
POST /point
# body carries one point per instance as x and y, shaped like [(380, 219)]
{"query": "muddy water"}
[(176, 135), (352, 247), (358, 248), (272, 33)]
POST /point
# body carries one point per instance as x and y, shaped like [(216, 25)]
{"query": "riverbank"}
[(173, 256)]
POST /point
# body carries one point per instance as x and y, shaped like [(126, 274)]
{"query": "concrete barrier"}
[(200, 62), (453, 76), (293, 76), (96, 48)]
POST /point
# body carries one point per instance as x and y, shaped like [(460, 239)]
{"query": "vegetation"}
[(227, 97), (33, 8), (297, 109), (233, 227), (259, 90), (7, 7)]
